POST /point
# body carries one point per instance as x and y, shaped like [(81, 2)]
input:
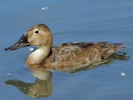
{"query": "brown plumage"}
[(64, 55), (80, 54)]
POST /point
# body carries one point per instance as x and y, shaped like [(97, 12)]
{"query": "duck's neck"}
[(39, 55)]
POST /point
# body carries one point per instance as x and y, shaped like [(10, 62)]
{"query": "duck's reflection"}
[(42, 87)]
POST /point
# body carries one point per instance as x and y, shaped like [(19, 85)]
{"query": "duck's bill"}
[(22, 42)]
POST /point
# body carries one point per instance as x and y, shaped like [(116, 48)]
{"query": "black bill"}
[(22, 42)]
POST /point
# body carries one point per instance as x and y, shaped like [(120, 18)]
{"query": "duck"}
[(66, 55)]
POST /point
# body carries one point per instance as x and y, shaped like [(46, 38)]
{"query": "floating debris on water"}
[(123, 74), (9, 73), (44, 8), (31, 49)]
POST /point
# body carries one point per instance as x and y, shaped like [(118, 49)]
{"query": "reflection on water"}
[(42, 87)]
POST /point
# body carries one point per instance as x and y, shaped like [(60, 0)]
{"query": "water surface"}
[(71, 20)]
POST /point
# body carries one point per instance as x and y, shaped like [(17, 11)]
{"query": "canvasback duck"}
[(64, 55)]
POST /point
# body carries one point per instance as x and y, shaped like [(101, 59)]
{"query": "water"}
[(71, 20)]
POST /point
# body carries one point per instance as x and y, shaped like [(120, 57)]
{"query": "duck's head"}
[(38, 35)]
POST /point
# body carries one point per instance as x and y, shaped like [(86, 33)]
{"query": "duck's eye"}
[(36, 31)]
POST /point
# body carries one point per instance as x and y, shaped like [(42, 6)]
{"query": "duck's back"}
[(78, 54)]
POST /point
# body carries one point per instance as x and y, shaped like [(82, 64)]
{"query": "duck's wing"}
[(104, 48), (66, 51)]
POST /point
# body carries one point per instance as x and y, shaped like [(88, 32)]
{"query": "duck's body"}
[(64, 55), (79, 54)]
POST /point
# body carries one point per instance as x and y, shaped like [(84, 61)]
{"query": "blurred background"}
[(69, 20)]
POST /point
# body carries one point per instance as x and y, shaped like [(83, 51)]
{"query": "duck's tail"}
[(117, 46), (107, 49)]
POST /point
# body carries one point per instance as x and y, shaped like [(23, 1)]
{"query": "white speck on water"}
[(44, 8), (123, 74), (31, 49), (9, 73)]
